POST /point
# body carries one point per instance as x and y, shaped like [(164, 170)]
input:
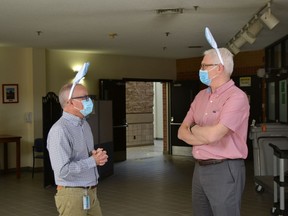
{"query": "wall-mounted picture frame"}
[(10, 93)]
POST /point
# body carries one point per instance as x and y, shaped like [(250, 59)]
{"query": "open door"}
[(182, 94), (114, 90)]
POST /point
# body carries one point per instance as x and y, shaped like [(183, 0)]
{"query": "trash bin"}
[(274, 133)]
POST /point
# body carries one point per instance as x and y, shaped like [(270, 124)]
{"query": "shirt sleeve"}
[(235, 111), (190, 116)]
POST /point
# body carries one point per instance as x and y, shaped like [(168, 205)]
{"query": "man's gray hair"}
[(64, 94), (227, 57)]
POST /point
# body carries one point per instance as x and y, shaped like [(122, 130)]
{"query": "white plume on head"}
[(81, 73), (212, 42)]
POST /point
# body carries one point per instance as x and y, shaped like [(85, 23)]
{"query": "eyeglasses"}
[(84, 97), (204, 66)]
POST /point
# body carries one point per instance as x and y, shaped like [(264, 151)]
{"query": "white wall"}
[(158, 111)]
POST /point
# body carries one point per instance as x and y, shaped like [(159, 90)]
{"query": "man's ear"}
[(220, 67), (70, 101)]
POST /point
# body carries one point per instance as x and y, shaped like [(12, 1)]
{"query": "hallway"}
[(151, 184)]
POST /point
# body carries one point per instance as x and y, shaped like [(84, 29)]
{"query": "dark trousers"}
[(217, 188)]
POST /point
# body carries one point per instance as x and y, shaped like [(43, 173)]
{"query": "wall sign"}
[(245, 81)]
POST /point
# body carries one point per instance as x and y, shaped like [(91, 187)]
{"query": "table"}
[(5, 139)]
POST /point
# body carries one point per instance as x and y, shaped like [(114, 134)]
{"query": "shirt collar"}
[(222, 88), (75, 120)]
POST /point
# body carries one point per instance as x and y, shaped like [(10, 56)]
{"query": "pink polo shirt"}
[(229, 106)]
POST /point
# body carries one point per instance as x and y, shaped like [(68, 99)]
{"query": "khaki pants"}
[(69, 202)]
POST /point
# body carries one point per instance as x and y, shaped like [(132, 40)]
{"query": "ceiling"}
[(91, 25)]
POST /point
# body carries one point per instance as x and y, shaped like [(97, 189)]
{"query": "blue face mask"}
[(87, 107), (204, 77)]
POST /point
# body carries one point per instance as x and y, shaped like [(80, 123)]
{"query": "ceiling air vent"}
[(194, 47), (170, 11)]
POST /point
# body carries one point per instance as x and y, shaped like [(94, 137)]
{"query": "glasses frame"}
[(204, 66), (84, 97)]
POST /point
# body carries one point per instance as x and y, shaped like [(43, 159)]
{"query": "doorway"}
[(144, 114), (114, 90), (140, 123), (182, 94)]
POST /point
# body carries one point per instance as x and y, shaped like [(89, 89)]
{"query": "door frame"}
[(166, 99), (165, 96)]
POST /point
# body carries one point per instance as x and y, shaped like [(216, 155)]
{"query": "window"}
[(277, 68)]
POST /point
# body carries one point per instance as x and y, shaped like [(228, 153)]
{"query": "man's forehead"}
[(80, 89), (206, 58)]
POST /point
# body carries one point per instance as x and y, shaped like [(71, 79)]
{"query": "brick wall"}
[(165, 119), (139, 113)]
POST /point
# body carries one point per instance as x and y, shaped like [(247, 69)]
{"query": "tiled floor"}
[(147, 184)]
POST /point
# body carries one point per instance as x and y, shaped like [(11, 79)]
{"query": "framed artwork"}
[(10, 93)]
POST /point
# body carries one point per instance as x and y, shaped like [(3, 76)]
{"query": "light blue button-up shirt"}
[(69, 143)]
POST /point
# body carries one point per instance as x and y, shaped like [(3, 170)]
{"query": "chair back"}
[(38, 145)]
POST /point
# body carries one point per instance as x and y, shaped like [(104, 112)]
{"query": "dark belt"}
[(210, 161), (59, 187)]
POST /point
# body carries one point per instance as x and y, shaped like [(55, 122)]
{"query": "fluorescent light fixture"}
[(268, 19)]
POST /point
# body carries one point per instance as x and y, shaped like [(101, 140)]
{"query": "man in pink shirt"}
[(216, 126)]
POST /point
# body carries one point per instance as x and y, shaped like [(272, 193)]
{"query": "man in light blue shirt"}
[(72, 155)]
